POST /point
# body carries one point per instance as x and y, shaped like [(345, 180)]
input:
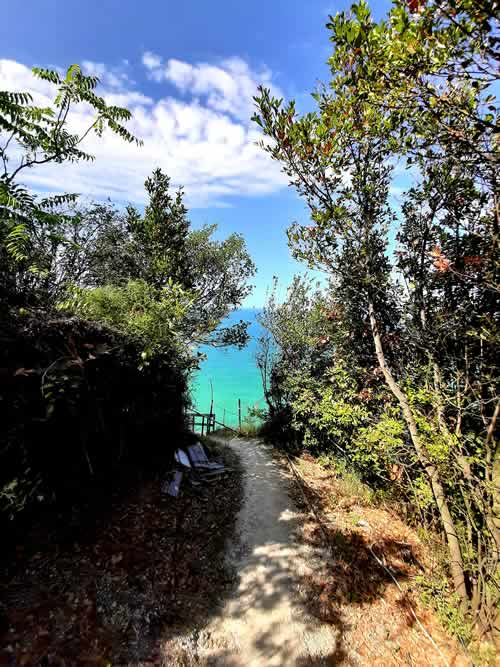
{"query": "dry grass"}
[(353, 590)]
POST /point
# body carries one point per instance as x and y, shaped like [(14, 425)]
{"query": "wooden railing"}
[(206, 423), (199, 422)]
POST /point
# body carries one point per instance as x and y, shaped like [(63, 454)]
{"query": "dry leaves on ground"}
[(353, 590), (151, 566)]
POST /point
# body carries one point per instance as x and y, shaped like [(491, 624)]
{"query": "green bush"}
[(78, 411), (435, 591), (150, 316)]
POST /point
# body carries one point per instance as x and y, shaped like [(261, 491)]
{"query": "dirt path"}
[(264, 622)]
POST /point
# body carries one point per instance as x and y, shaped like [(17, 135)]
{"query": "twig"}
[(47, 370)]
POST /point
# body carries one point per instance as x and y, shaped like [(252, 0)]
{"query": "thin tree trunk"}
[(493, 472), (438, 396), (458, 425), (456, 565)]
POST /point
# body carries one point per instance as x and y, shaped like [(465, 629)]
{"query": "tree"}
[(446, 258), (105, 249), (383, 103), (75, 376), (38, 136), (293, 342), (160, 235), (430, 68), (221, 271), (154, 319)]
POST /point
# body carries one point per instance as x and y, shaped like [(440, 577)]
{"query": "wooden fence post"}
[(211, 396), (239, 412)]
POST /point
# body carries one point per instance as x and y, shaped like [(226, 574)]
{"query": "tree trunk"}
[(493, 471), (456, 564)]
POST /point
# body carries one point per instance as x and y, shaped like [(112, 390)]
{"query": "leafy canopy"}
[(31, 135)]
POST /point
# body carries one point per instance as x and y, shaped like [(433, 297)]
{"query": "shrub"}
[(78, 410)]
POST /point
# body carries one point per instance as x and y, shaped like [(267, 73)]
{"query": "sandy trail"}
[(264, 622)]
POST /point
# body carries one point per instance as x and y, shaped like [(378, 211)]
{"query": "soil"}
[(264, 622), (371, 548), (239, 573), (115, 591), (307, 596)]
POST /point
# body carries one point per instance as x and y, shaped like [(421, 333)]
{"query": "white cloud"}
[(203, 140), (113, 77), (227, 87), (150, 60)]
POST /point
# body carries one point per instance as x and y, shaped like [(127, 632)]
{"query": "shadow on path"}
[(272, 617)]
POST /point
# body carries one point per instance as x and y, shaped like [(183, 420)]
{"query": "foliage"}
[(159, 237), (71, 422), (332, 408), (349, 479), (221, 271), (381, 445), (37, 135), (435, 592), (100, 247), (150, 316), (292, 338), (404, 384), (251, 423), (102, 310)]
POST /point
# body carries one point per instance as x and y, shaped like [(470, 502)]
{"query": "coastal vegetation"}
[(383, 374), (102, 311), (393, 367)]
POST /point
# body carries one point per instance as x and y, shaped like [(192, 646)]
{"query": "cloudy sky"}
[(187, 71)]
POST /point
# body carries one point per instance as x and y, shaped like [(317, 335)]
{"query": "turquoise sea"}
[(234, 375)]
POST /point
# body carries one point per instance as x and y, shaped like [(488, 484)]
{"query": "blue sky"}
[(187, 70)]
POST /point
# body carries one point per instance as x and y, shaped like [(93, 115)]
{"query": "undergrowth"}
[(351, 481), (435, 592), (434, 586)]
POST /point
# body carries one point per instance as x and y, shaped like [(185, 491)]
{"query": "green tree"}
[(221, 271), (33, 136), (101, 247), (152, 318), (160, 235), (383, 103)]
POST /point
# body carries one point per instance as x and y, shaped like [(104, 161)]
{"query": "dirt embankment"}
[(370, 549), (117, 588)]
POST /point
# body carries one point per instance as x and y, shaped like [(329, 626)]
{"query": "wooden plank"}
[(197, 454), (209, 465), (182, 458), (203, 423), (173, 488)]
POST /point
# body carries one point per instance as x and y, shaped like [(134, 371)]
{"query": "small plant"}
[(435, 592), (483, 654), (250, 428), (326, 460), (379, 496), (252, 424), (352, 485)]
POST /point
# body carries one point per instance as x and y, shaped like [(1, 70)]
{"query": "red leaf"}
[(473, 260)]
